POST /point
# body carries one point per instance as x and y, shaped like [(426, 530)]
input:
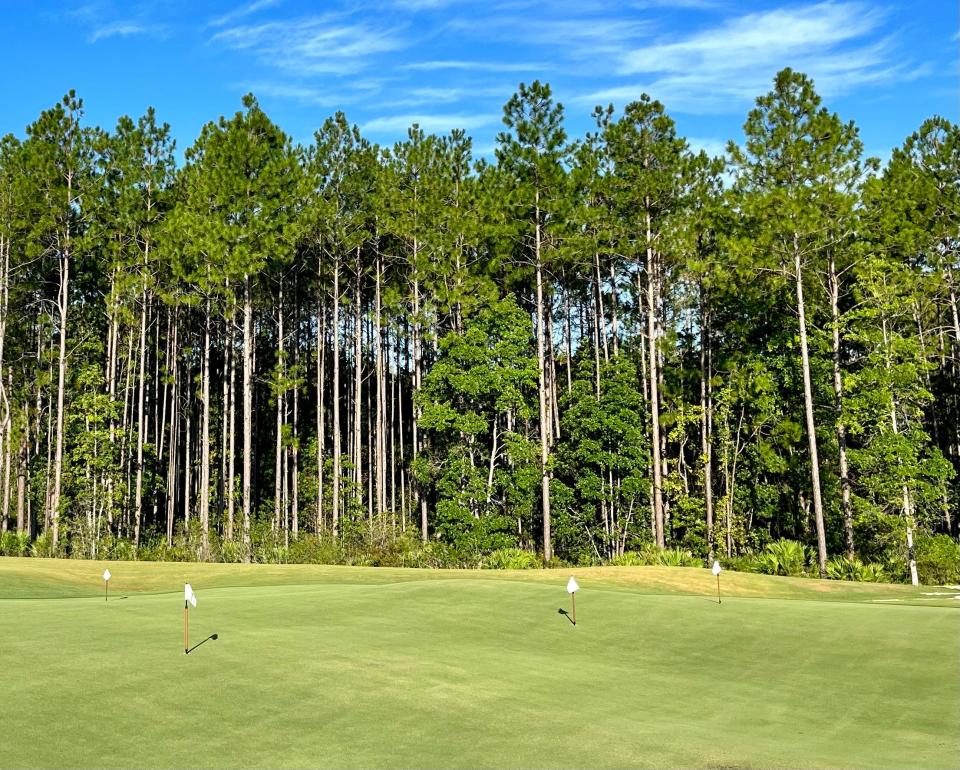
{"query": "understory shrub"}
[(14, 543), (841, 568), (744, 563), (938, 559), (784, 557), (512, 558), (651, 555)]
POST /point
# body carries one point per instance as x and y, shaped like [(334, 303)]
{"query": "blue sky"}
[(453, 63)]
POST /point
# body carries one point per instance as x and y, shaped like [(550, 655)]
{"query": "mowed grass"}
[(353, 667)]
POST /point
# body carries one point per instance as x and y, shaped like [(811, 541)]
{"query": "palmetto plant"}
[(784, 557), (840, 568)]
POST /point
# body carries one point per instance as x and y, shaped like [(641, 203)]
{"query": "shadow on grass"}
[(566, 615), (213, 637)]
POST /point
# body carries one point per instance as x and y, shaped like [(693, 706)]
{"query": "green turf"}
[(340, 667)]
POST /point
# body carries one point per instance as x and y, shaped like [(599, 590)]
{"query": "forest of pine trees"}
[(585, 348)]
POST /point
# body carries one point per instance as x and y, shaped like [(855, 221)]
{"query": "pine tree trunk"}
[(568, 339), (321, 415), (357, 385), (23, 461), (652, 299), (614, 328), (224, 421), (141, 388), (232, 441), (600, 316), (808, 411), (205, 439), (542, 391), (381, 491), (417, 345), (6, 459), (294, 452), (63, 303), (187, 453), (833, 280), (248, 343), (706, 415), (174, 427), (278, 508), (335, 483)]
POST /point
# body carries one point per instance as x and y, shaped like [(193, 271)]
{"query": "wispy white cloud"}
[(419, 96), (122, 29), (102, 20), (767, 36), (475, 66), (721, 69), (581, 35), (585, 35), (704, 5), (423, 5), (713, 147), (241, 12), (314, 45), (306, 95), (396, 124)]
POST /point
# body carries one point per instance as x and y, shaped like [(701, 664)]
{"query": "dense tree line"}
[(583, 349)]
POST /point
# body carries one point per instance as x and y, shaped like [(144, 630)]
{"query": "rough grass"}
[(360, 667)]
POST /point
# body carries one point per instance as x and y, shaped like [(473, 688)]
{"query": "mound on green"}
[(339, 667)]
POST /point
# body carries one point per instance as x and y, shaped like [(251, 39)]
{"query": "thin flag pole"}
[(572, 589), (717, 569), (186, 626)]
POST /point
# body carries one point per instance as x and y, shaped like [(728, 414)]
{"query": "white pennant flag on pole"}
[(572, 589), (189, 595), (106, 574), (716, 571)]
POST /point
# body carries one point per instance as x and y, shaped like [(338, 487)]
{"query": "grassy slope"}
[(362, 667)]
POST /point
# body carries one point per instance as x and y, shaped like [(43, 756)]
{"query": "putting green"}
[(338, 667)]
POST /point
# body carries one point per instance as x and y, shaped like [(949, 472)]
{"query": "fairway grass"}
[(365, 667)]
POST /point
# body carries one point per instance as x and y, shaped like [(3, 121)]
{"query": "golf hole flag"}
[(572, 589), (106, 582), (189, 599), (716, 571)]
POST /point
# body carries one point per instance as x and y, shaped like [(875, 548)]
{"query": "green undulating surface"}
[(328, 667)]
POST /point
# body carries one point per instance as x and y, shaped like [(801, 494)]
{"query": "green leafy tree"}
[(475, 396), (796, 174), (532, 151)]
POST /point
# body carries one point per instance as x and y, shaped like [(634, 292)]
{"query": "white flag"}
[(572, 586), (106, 574), (189, 595), (716, 567)]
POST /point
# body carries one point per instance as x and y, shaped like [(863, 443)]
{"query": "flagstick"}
[(106, 584), (573, 598), (718, 589), (186, 627)]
